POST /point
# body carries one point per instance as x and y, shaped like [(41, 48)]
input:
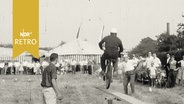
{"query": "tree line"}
[(163, 43)]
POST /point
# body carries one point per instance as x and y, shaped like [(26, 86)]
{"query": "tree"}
[(146, 45), (180, 32), (6, 45), (167, 42)]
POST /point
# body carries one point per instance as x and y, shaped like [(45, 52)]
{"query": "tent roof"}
[(8, 52), (77, 46), (5, 51)]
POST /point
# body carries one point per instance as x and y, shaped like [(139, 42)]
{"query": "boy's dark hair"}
[(53, 57)]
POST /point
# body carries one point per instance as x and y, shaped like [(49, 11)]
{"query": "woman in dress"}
[(180, 76)]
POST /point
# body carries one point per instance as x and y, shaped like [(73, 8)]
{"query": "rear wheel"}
[(108, 76)]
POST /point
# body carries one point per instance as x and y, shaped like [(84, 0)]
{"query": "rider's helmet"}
[(114, 31)]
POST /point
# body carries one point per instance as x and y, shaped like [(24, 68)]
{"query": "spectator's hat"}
[(113, 30)]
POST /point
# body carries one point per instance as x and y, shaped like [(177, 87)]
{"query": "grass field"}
[(79, 89), (76, 89)]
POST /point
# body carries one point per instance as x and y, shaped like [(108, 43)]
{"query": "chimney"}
[(168, 28)]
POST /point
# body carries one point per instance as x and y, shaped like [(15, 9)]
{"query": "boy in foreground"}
[(49, 83)]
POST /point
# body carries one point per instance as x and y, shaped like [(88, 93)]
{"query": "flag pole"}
[(102, 32)]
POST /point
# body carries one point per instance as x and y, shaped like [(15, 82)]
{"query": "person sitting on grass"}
[(49, 83)]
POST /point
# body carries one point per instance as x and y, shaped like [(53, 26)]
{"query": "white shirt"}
[(33, 65), (85, 62), (168, 60), (61, 63), (29, 65), (25, 63), (128, 66), (156, 62), (73, 63), (1, 65), (17, 64), (135, 61), (45, 64), (149, 61), (37, 65), (120, 65), (10, 64), (182, 63), (21, 67), (57, 64), (152, 70)]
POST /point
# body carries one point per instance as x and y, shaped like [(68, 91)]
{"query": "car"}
[(141, 73)]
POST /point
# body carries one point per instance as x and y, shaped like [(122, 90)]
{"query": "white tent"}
[(77, 47), (79, 50), (5, 51)]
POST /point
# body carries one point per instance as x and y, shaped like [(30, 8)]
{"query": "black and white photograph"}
[(92, 52)]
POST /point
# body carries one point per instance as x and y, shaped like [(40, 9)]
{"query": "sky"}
[(134, 20)]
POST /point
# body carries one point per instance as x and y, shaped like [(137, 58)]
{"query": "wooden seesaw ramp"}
[(122, 96)]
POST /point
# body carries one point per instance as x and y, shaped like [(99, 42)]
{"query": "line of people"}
[(32, 68), (86, 66), (18, 68)]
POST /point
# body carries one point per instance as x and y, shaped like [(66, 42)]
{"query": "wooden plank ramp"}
[(122, 96)]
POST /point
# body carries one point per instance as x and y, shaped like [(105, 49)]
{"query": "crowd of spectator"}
[(174, 71), (165, 75), (36, 68)]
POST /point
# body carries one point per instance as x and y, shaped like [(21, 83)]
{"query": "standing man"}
[(156, 61), (10, 65), (73, 65), (149, 61), (1, 67), (128, 74), (17, 66), (49, 83), (113, 48), (135, 60), (5, 67), (167, 65), (25, 67)]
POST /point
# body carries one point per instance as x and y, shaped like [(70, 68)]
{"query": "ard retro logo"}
[(25, 27), (25, 40)]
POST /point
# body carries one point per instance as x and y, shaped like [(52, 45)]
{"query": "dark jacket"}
[(112, 44)]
